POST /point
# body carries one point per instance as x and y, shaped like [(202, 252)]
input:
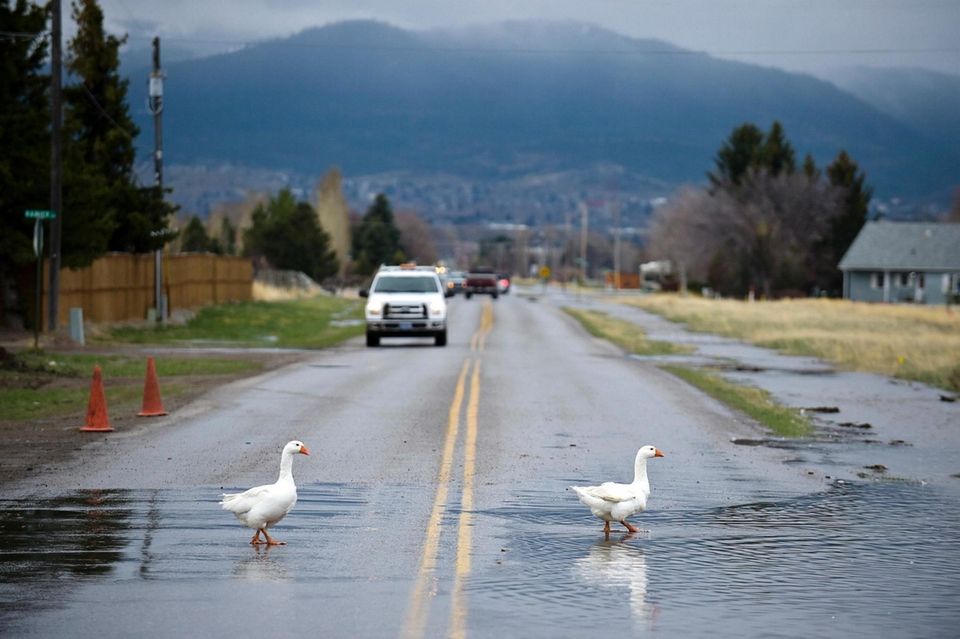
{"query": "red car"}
[(481, 281)]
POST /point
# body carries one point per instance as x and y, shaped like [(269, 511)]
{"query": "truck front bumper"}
[(396, 328)]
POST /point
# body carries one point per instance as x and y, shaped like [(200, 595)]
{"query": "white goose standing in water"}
[(262, 506), (615, 502)]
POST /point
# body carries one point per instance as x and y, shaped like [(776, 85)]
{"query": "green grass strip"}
[(756, 403), (35, 386), (22, 404), (39, 363), (624, 334), (315, 322)]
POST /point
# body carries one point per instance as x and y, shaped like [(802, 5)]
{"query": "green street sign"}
[(40, 214)]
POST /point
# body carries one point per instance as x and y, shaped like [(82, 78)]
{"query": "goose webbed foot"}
[(271, 541)]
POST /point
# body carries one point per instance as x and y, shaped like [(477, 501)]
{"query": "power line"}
[(92, 99), (531, 51), (625, 52), (24, 35)]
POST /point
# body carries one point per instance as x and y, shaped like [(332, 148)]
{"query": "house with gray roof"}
[(903, 262)]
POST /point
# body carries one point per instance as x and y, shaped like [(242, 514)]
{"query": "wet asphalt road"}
[(434, 503)]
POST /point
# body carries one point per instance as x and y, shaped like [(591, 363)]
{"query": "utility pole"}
[(56, 167), (584, 223), (567, 249), (156, 107), (616, 245)]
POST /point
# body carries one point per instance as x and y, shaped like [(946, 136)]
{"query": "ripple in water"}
[(843, 562)]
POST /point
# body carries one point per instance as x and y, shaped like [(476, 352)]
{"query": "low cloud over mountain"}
[(506, 101)]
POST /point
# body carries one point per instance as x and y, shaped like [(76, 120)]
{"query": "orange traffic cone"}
[(152, 406), (97, 419)]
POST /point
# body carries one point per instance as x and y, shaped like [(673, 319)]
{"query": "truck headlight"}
[(436, 308), (375, 309)]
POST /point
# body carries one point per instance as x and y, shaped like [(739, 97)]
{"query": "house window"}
[(876, 280), (903, 280)]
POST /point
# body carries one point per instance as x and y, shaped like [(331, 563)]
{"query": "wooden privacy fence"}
[(120, 286)]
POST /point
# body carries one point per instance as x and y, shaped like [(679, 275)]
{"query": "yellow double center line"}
[(458, 615), (419, 602), (486, 324)]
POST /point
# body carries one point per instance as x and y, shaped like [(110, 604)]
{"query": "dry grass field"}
[(920, 343)]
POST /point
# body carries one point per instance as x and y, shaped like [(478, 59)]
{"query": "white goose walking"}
[(615, 502), (262, 506)]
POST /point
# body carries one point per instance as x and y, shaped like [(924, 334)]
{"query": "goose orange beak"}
[(303, 450), (658, 453)]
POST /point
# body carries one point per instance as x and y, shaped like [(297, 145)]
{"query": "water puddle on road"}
[(53, 547), (855, 560)]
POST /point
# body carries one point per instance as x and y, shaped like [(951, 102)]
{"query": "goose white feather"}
[(611, 501), (262, 506)]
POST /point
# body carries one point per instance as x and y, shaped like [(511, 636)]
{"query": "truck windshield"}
[(387, 284)]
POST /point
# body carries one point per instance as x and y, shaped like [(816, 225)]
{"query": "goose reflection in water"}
[(260, 567), (617, 565)]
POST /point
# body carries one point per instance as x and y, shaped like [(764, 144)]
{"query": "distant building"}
[(903, 262)]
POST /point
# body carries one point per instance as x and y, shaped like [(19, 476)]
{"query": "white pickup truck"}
[(406, 301)]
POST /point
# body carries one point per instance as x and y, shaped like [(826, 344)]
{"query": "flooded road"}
[(855, 560), (435, 503)]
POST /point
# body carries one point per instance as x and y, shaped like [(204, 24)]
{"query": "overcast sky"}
[(810, 36)]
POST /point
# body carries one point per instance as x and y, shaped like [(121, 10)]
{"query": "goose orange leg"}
[(630, 527), (271, 541), (606, 527), (256, 538)]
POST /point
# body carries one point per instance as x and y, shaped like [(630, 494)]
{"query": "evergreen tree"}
[(377, 240), (737, 155), (764, 226), (143, 220), (24, 115), (194, 238), (286, 233), (810, 169), (263, 219), (748, 149), (87, 222), (24, 137), (105, 209), (228, 237), (100, 123), (776, 156), (845, 176)]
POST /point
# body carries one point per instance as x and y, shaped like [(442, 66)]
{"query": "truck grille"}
[(404, 311)]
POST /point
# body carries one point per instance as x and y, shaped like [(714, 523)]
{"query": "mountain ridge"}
[(497, 102)]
